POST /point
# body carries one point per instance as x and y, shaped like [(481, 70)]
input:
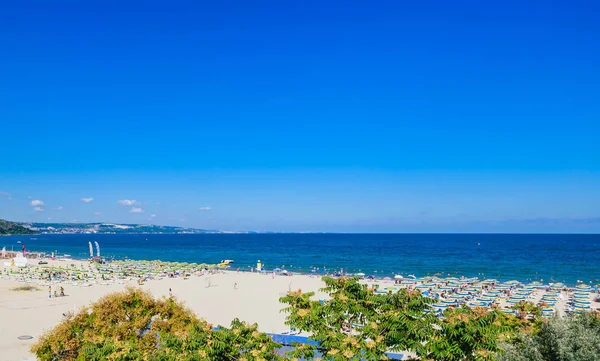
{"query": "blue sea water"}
[(524, 257)]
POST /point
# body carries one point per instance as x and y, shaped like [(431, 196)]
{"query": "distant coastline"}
[(115, 228)]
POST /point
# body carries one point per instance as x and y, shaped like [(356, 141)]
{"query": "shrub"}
[(132, 325), (559, 339)]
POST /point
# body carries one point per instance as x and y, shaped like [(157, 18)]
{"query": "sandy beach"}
[(220, 296), (256, 299)]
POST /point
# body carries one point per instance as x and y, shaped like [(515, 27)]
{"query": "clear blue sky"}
[(387, 116)]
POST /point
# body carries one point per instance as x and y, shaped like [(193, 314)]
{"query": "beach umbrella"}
[(582, 302), (398, 277), (360, 274)]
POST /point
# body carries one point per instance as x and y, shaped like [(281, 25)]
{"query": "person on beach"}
[(235, 286), (170, 292), (62, 291), (49, 291)]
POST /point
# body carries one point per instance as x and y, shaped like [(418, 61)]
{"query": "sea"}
[(567, 258)]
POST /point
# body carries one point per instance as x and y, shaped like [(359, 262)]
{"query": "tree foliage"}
[(357, 324), (132, 325), (353, 323), (559, 339), (470, 334)]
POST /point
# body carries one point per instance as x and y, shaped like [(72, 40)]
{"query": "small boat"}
[(225, 263)]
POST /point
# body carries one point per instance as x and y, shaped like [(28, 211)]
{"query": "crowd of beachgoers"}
[(554, 298)]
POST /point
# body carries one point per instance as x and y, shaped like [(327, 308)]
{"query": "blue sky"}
[(345, 116)]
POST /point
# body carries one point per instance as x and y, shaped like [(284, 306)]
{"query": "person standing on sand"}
[(49, 291), (235, 286), (170, 293)]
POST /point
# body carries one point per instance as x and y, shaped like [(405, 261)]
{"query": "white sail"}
[(91, 250), (97, 249), (4, 252)]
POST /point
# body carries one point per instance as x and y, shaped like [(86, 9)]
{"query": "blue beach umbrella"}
[(581, 302)]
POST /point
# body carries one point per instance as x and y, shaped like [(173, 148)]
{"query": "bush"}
[(132, 325), (559, 339)]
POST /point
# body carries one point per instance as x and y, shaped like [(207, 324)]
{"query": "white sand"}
[(255, 300)]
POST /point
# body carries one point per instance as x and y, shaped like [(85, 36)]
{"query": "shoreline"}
[(310, 272), (526, 258)]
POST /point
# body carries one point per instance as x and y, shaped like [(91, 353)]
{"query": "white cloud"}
[(36, 203), (127, 202), (204, 209), (38, 209), (97, 213), (6, 194), (59, 208), (49, 218), (136, 210), (182, 220), (153, 216), (87, 200)]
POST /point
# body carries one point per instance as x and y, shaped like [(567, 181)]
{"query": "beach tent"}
[(21, 261)]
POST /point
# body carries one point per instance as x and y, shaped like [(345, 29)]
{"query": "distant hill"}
[(8, 228), (111, 228)]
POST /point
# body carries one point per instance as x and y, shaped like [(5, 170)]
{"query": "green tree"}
[(470, 334), (357, 324)]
